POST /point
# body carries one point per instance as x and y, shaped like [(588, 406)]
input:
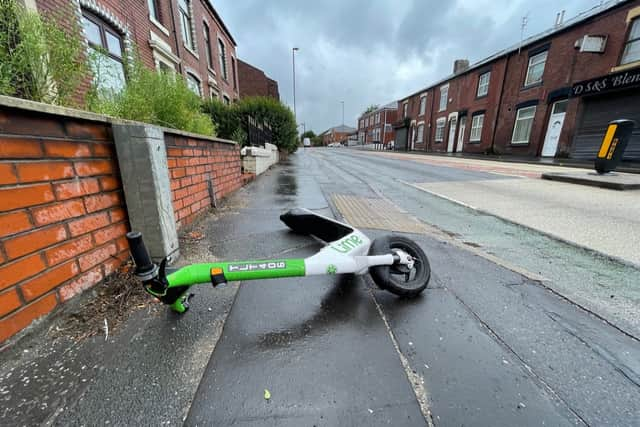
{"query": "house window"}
[(440, 124), (631, 51), (105, 51), (420, 133), (153, 10), (377, 118), (185, 23), (213, 93), (194, 84), (476, 127), (233, 72), (423, 105), (226, 100), (524, 123), (535, 70), (444, 97), (366, 122), (207, 45), (404, 110), (483, 84), (222, 56), (361, 124)]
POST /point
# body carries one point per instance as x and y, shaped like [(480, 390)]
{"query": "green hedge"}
[(229, 120)]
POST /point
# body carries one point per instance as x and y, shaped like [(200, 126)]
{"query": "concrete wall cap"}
[(23, 104)]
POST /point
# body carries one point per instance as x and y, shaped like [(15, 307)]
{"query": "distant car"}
[(334, 144), (306, 142)]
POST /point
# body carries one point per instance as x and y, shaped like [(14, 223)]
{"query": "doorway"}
[(452, 134), (463, 125), (556, 120)]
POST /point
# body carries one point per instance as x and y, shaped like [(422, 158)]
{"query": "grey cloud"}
[(366, 52)]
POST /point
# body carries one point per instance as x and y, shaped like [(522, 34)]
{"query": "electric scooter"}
[(396, 263)]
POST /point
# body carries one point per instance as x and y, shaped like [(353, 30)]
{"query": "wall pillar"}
[(145, 178)]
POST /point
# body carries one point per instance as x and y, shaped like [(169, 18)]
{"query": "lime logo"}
[(347, 244), (332, 269)]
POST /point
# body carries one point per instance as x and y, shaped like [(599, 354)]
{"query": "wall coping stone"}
[(24, 104)]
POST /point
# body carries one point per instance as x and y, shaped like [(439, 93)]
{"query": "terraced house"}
[(375, 127), (551, 95), (185, 36)]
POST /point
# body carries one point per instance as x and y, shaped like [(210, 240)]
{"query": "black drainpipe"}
[(495, 120), (175, 35)]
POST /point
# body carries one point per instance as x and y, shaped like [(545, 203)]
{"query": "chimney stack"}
[(460, 65), (559, 18)]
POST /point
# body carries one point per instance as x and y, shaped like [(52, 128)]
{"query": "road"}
[(485, 345), (515, 328)]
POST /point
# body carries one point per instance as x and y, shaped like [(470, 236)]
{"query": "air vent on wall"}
[(589, 43)]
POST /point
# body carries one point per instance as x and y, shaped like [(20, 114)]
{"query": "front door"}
[(463, 125), (452, 135), (556, 120)]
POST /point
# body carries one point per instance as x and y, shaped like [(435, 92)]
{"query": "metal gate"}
[(598, 111)]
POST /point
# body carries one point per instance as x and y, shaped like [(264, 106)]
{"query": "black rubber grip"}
[(139, 253)]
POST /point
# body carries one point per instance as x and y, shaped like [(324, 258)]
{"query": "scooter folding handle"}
[(145, 268)]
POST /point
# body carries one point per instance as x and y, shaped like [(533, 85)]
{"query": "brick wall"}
[(194, 166), (62, 216), (253, 82), (131, 18)]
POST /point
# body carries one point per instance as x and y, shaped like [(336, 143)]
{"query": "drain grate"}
[(362, 212)]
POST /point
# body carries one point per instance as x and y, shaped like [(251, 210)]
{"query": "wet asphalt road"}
[(483, 345)]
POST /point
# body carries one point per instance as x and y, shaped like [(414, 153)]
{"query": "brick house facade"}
[(515, 100), (336, 134), (376, 126), (187, 36), (254, 82)]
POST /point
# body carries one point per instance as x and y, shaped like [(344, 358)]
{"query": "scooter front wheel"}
[(398, 278)]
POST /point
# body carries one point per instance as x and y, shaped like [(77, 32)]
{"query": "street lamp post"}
[(342, 102), (293, 61)]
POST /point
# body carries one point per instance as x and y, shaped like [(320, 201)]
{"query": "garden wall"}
[(63, 215)]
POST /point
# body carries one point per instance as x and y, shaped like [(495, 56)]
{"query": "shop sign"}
[(622, 80)]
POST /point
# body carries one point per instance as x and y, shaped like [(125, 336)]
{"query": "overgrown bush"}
[(154, 97), (38, 60), (230, 119)]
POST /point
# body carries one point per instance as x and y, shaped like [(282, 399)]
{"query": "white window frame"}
[(631, 41), (189, 33), (477, 122), (222, 59), (420, 133), (534, 61), (531, 114), (444, 98), (483, 84), (405, 109), (195, 77), (441, 124), (423, 105)]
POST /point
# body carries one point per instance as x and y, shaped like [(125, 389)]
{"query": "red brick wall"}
[(194, 164), (390, 118), (565, 65), (253, 82), (62, 216), (134, 15)]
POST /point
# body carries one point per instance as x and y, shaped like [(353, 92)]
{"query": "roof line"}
[(221, 22), (569, 23)]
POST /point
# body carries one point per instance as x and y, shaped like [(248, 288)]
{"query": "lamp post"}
[(293, 61), (342, 102)]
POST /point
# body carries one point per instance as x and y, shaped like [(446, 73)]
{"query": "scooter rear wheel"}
[(399, 279)]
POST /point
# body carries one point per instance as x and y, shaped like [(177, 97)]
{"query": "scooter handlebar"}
[(140, 255)]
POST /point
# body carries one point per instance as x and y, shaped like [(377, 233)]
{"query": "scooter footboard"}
[(304, 221)]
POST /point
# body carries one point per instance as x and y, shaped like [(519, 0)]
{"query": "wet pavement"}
[(497, 339), (486, 345)]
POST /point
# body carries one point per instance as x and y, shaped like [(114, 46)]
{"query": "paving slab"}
[(612, 180), (319, 346)]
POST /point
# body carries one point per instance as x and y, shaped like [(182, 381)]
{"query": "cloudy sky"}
[(374, 51)]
